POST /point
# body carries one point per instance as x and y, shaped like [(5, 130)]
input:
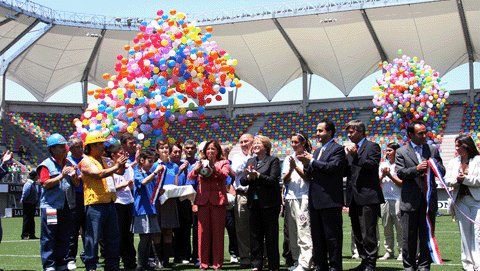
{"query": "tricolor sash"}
[(158, 184), (432, 241)]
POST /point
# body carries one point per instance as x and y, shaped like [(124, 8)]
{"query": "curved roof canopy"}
[(342, 43)]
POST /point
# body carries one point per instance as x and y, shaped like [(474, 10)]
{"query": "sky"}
[(456, 79)]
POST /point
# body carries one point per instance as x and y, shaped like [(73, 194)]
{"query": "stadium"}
[(282, 50)]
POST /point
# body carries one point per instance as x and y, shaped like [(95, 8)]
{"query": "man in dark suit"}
[(325, 198), (411, 166), (364, 194)]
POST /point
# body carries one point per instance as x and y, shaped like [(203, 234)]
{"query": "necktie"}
[(418, 151), (320, 153)]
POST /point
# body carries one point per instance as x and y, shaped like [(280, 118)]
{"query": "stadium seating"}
[(470, 122), (52, 122), (216, 127), (280, 126)]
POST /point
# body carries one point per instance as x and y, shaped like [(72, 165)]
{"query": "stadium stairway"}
[(452, 128), (364, 116), (253, 129)]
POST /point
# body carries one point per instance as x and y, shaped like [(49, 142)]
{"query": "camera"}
[(206, 170)]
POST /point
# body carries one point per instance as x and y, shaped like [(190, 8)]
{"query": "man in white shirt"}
[(241, 210), (390, 210)]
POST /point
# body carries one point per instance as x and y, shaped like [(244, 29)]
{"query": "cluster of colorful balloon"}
[(29, 127), (409, 90), (170, 61)]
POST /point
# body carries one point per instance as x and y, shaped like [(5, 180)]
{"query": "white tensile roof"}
[(341, 46)]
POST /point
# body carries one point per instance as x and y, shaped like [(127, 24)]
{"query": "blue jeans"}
[(54, 239), (101, 223), (78, 221)]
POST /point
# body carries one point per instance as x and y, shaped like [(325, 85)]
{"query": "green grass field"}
[(16, 254)]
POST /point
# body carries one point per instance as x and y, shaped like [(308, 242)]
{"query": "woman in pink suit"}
[(211, 200)]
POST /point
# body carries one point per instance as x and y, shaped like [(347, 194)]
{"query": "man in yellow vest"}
[(99, 198)]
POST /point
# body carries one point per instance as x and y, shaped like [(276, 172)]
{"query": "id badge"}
[(111, 185), (51, 216)]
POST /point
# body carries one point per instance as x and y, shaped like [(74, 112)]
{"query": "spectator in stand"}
[(124, 206), (57, 177), (463, 174), (145, 221), (211, 200), (99, 202), (167, 212), (75, 155), (262, 175), (391, 187), (29, 202), (7, 156), (241, 210), (296, 203)]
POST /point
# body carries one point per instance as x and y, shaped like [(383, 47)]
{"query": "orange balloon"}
[(126, 47), (209, 29), (106, 76)]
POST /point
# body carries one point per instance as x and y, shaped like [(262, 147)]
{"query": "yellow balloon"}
[(130, 129), (134, 124)]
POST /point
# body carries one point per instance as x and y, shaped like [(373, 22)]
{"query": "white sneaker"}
[(400, 257), (293, 267), (185, 261), (299, 268), (355, 256), (233, 259), (71, 265), (387, 256)]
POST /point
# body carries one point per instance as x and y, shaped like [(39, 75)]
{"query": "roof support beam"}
[(2, 101), (379, 46), (468, 43), (305, 92), (88, 67), (230, 106), (290, 43), (305, 68), (6, 21), (20, 36)]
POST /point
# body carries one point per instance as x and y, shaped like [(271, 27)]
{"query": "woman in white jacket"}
[(463, 174)]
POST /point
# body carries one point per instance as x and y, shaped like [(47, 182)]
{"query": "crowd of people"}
[(107, 192)]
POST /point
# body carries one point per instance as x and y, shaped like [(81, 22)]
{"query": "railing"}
[(277, 10)]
